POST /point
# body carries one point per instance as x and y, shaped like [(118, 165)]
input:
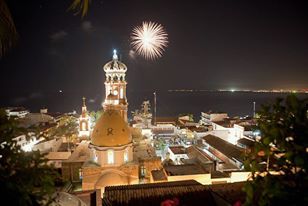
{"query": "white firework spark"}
[(149, 40)]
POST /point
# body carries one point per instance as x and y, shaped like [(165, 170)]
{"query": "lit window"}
[(142, 171), (83, 126), (126, 156), (121, 93), (110, 157), (80, 173)]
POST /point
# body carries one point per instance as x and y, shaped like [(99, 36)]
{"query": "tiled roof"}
[(178, 149), (166, 120), (186, 169), (194, 152), (158, 175), (224, 147), (188, 192), (232, 192), (246, 142)]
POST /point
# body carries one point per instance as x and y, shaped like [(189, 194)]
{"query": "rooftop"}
[(165, 120), (156, 193), (178, 149), (224, 147), (225, 123), (58, 155), (188, 192), (159, 175), (81, 153), (247, 142), (186, 169), (194, 152)]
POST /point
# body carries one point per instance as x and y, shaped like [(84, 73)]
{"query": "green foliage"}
[(161, 144), (94, 116), (68, 126), (25, 177), (8, 33), (281, 150), (80, 6)]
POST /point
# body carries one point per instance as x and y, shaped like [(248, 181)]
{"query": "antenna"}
[(154, 108)]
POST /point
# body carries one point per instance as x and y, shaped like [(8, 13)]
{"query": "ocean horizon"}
[(169, 103)]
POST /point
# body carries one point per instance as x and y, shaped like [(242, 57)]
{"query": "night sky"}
[(212, 45)]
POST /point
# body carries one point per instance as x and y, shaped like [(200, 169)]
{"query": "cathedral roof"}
[(115, 64), (111, 130)]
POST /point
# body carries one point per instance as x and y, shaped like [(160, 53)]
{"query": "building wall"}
[(149, 165), (220, 180), (177, 157), (52, 145), (239, 176), (204, 179), (71, 171), (207, 118), (219, 127), (118, 156)]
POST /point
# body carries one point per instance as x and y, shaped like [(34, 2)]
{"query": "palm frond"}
[(80, 6), (8, 33)]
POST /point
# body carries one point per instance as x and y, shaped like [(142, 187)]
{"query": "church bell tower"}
[(84, 121), (115, 86)]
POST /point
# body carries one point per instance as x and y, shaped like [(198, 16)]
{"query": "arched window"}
[(83, 126), (110, 157), (126, 155), (121, 93)]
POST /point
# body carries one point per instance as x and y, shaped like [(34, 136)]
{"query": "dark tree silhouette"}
[(279, 162), (25, 177)]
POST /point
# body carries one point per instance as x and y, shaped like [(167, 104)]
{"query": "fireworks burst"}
[(149, 40)]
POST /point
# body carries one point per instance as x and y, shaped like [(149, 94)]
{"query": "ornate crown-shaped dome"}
[(111, 130), (115, 65)]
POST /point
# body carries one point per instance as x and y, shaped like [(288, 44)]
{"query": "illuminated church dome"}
[(111, 130), (115, 66)]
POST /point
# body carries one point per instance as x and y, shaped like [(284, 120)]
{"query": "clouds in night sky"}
[(31, 96), (58, 35), (87, 26)]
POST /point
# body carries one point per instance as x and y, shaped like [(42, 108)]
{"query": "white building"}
[(27, 144), (177, 153), (17, 112), (208, 117)]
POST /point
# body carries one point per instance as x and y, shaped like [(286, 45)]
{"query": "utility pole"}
[(254, 109), (154, 108)]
